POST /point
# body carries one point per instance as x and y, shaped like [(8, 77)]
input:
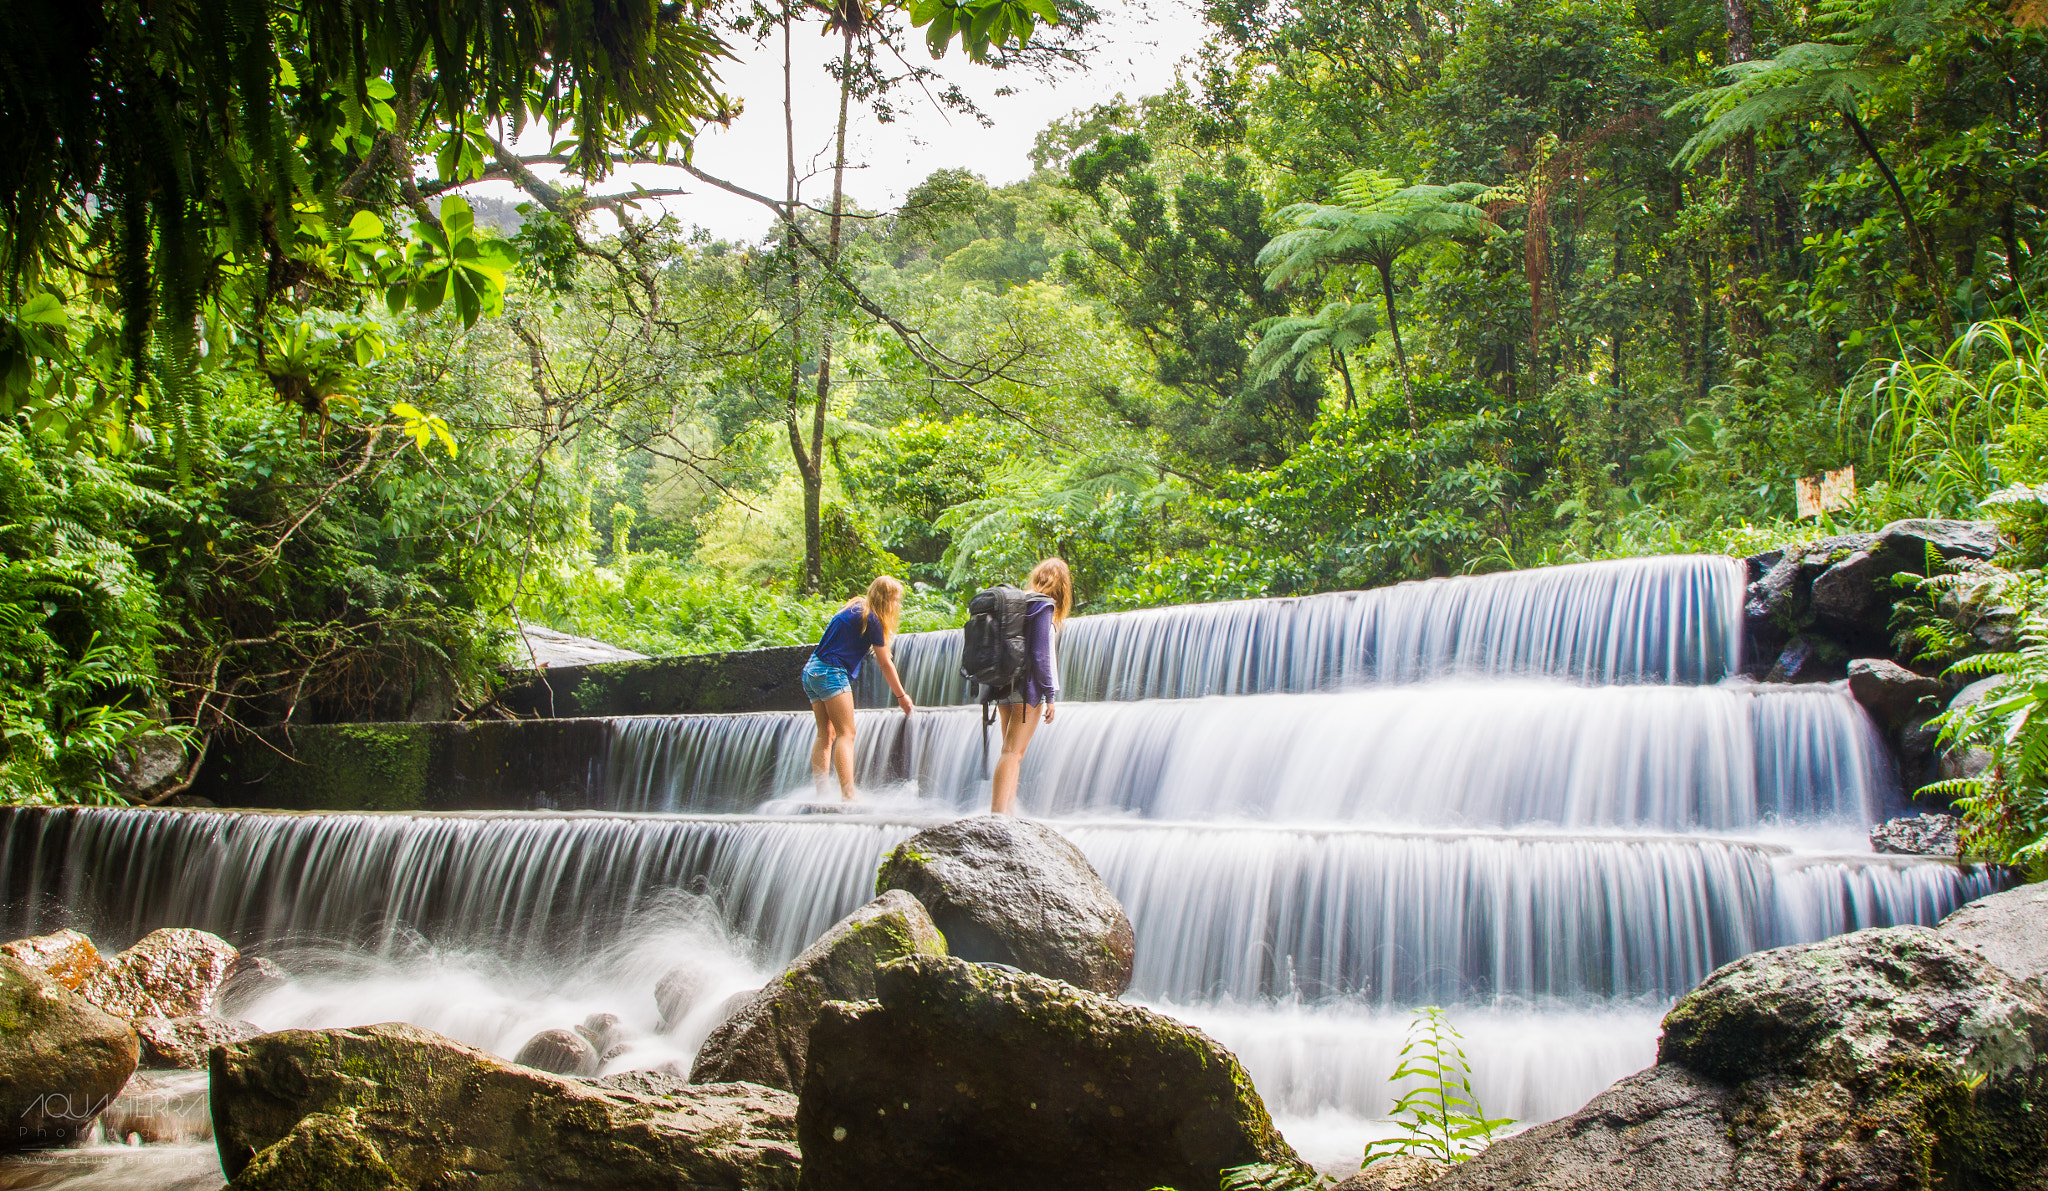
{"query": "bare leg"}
[(1019, 723), (821, 748), (838, 713)]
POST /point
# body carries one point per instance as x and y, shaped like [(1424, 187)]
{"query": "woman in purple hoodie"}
[(1039, 687)]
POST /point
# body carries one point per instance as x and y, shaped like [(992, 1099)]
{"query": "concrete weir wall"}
[(552, 758), (744, 680), (497, 765)]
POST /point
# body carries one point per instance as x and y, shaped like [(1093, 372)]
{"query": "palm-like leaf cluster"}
[(1376, 220)]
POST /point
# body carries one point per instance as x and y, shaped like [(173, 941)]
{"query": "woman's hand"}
[(1048, 711), (903, 701)]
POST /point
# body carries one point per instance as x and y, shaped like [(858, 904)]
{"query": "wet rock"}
[(1964, 763), (1918, 835), (677, 993), (603, 1031), (765, 1039), (959, 1075), (2010, 929), (248, 980), (1398, 1173), (562, 1052), (1853, 598), (1665, 1128), (1997, 632), (176, 972), (67, 957), (1883, 1060), (1774, 602), (147, 765), (1803, 661), (1909, 542), (1892, 694), (185, 1041), (61, 1059), (1015, 892), (1918, 738), (304, 1108)]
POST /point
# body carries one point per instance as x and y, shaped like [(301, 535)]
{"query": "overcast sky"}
[(1141, 45)]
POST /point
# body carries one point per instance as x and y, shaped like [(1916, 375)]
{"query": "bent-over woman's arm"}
[(889, 675)]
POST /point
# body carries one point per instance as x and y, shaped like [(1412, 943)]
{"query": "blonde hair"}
[(883, 602), (1051, 577)]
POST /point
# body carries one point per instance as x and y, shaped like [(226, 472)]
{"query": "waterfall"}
[(1541, 800), (1493, 754), (1226, 911), (1669, 620)]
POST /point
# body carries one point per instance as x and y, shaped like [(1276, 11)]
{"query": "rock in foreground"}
[(394, 1106), (764, 1041), (1007, 891), (65, 956), (61, 1059), (175, 972), (183, 1042), (2010, 929), (962, 1076), (1882, 1060)]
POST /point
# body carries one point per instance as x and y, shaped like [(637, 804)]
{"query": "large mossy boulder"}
[(61, 1059), (962, 1075), (1003, 890), (1883, 1060), (765, 1039), (395, 1106)]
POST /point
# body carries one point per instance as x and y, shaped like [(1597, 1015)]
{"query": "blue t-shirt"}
[(846, 641)]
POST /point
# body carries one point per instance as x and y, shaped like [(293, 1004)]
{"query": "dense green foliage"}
[(1374, 294)]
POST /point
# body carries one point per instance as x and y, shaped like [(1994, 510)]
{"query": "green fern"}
[(1441, 1113)]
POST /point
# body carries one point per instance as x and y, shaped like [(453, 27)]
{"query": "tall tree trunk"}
[(1394, 328), (806, 456), (1745, 321), (1350, 395), (1934, 276), (814, 474)]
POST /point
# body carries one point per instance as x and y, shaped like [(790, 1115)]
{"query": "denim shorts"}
[(822, 679)]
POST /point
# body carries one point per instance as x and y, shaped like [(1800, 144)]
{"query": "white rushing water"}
[(1675, 619), (1455, 753), (1538, 800)]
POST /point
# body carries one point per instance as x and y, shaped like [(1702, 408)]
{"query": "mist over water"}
[(1536, 799)]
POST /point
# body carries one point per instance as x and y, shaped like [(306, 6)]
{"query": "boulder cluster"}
[(1827, 610), (75, 1025), (881, 1056)]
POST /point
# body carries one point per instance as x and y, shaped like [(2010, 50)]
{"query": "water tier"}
[(1465, 753), (1675, 619), (1222, 912)]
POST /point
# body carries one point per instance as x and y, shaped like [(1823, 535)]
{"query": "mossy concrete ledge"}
[(743, 680), (496, 765)]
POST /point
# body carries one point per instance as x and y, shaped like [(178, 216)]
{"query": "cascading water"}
[(1537, 799), (1667, 620)]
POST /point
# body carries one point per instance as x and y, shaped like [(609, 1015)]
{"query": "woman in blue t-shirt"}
[(867, 622)]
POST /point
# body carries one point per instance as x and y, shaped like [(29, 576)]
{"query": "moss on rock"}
[(441, 1114), (765, 1040), (962, 1075)]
